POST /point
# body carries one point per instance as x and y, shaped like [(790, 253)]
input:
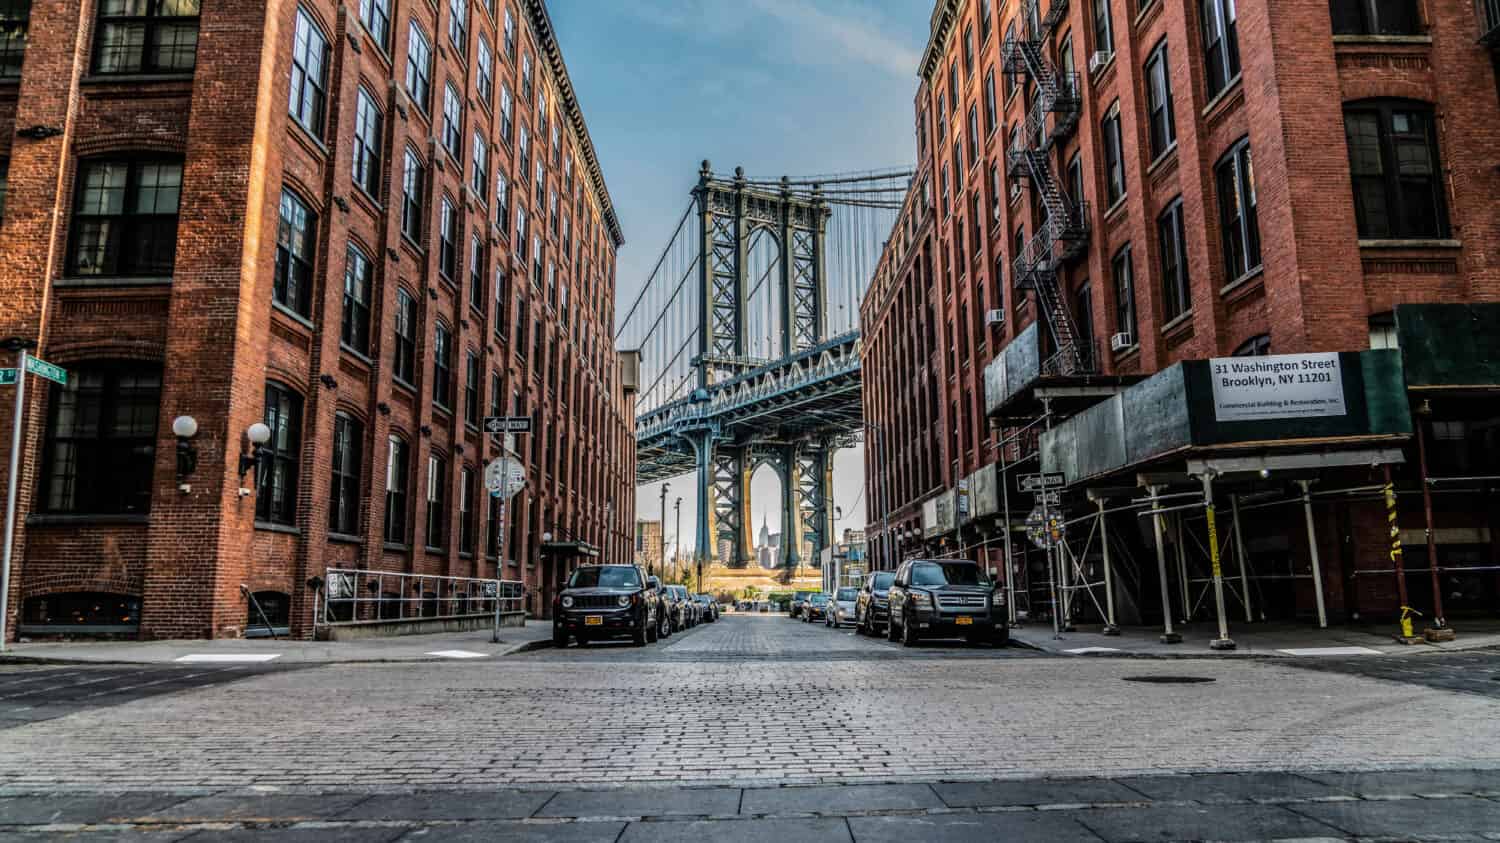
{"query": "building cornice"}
[(944, 16), (546, 38)]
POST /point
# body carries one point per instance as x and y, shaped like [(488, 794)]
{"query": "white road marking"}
[(225, 658), (1330, 651), (1078, 651), (457, 654)]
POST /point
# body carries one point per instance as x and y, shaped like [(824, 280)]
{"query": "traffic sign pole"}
[(10, 497)]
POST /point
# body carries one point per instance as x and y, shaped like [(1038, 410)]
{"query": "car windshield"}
[(818, 599), (848, 594), (803, 595), (883, 579), (605, 577), (947, 573)]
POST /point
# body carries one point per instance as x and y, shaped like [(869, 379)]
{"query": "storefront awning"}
[(573, 548)]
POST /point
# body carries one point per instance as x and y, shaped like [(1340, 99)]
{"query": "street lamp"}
[(665, 487), (257, 435), (185, 428)]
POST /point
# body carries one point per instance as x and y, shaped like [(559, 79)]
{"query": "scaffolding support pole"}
[(1223, 642), (1110, 628), (1242, 557), (1010, 574), (1182, 571), (1168, 636), (1312, 552), (1439, 620)]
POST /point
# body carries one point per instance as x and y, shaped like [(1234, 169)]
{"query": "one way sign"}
[(507, 424)]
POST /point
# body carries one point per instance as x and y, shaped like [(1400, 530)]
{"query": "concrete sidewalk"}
[(1281, 639), (415, 648)]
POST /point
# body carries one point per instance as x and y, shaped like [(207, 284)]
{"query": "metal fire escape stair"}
[(1063, 234)]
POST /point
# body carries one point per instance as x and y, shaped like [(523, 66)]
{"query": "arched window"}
[(1393, 163), (344, 496), (125, 217), (276, 498), (397, 484), (101, 439), (81, 612)]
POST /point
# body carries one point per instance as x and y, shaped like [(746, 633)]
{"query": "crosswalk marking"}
[(1330, 651), (457, 654), (226, 658)]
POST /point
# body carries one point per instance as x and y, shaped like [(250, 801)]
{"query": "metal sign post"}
[(25, 364), (503, 478)]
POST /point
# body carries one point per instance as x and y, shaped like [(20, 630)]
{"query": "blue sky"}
[(776, 86)]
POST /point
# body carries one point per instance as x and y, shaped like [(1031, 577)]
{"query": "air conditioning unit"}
[(1098, 60), (1121, 341), (1015, 191), (994, 317)]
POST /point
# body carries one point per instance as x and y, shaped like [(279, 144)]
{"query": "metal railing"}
[(357, 596)]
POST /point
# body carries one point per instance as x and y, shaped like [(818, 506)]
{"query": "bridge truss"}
[(750, 348)]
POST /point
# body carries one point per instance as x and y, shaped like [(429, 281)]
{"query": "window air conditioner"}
[(1015, 190), (1098, 60), (1121, 341), (994, 317)]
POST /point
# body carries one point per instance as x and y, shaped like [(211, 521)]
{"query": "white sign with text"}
[(1277, 386)]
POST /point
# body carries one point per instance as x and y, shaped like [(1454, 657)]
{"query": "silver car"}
[(841, 607)]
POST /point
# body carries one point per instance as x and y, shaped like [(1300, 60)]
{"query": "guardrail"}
[(358, 596)]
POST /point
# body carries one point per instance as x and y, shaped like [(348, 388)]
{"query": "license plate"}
[(963, 620), (593, 620)]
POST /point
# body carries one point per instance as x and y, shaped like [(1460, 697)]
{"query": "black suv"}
[(945, 598), (872, 609), (605, 601)]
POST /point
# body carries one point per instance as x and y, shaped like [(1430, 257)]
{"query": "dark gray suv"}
[(945, 598)]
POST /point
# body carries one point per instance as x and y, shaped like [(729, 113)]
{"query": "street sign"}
[(507, 424), (1050, 498), (41, 368), (7, 377), (1034, 482), (1045, 529), (503, 477)]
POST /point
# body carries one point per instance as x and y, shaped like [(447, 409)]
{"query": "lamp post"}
[(665, 487), (677, 536)]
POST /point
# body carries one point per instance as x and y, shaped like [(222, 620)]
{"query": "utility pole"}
[(665, 487), (677, 536)]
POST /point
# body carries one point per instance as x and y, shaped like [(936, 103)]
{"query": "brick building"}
[(366, 225), (648, 544), (1107, 188)]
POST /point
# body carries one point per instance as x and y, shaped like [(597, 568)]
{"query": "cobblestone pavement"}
[(1420, 804), (750, 700)]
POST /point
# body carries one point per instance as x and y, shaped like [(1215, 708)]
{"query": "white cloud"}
[(849, 32)]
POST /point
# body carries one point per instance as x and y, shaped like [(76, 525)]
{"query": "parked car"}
[(685, 615), (799, 599), (664, 608), (708, 609), (815, 607), (605, 601), (841, 607), (945, 598), (872, 608)]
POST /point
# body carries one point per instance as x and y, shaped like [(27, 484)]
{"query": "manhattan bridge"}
[(748, 331)]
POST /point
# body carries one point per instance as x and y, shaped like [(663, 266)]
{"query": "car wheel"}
[(559, 638), (663, 628), (890, 628), (652, 632), (909, 637), (639, 637), (1000, 637)]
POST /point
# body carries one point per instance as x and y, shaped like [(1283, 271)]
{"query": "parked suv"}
[(604, 601), (709, 607), (872, 608), (664, 624), (945, 598), (799, 600)]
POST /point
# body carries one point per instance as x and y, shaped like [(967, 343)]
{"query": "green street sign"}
[(41, 368), (7, 377)]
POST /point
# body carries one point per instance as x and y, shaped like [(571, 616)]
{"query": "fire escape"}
[(1063, 234)]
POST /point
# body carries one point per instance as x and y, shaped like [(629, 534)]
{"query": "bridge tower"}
[(730, 213)]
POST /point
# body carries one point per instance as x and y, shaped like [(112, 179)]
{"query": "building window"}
[(411, 198), (968, 51), (510, 34), (1114, 156), (502, 203), (1159, 102), (419, 67), (990, 114), (1083, 311), (309, 89), (81, 613), (141, 37), (1221, 44), (953, 87), (1104, 36), (523, 153), (367, 143), (458, 25), (354, 331), (375, 16), (985, 20), (522, 315), (125, 218), (453, 121), (397, 481), (1259, 346), (4, 184), (1393, 162), (521, 236), (296, 243), (526, 75), (101, 440), (466, 510), (1240, 229), (447, 241), (1375, 17), (481, 161), (486, 80), (406, 338), (471, 389), (1176, 294), (437, 501), (442, 367), (276, 495), (1124, 277), (1075, 181), (973, 136), (476, 273), (343, 509), (500, 295), (15, 18), (507, 113)]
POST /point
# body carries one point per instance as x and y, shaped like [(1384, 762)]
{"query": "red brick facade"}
[(219, 339), (1320, 286)]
